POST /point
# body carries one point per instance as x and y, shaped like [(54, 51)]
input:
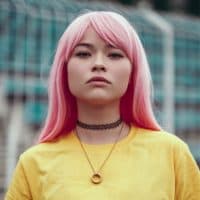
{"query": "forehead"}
[(91, 35)]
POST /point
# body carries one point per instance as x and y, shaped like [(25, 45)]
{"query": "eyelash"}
[(83, 54), (115, 55)]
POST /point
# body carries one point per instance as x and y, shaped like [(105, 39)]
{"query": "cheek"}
[(123, 79), (124, 82), (124, 75), (73, 76)]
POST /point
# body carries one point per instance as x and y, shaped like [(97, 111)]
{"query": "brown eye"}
[(82, 54), (115, 55)]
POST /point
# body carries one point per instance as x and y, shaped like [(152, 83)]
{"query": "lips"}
[(98, 79)]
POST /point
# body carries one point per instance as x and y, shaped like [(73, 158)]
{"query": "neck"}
[(98, 114), (102, 137)]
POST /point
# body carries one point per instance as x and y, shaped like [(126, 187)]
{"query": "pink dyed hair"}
[(135, 105)]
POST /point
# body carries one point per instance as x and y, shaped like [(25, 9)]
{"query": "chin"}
[(99, 101)]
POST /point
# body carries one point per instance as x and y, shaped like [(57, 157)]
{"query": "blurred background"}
[(29, 32)]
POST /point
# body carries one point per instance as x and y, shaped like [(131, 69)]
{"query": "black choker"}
[(100, 126)]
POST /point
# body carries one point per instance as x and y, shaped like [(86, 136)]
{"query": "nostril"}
[(94, 69), (98, 68), (103, 69)]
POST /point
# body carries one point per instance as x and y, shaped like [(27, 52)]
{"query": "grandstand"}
[(29, 31)]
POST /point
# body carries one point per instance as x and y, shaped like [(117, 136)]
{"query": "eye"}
[(115, 55), (82, 54)]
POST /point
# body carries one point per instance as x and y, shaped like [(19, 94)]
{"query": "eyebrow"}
[(88, 45), (91, 46)]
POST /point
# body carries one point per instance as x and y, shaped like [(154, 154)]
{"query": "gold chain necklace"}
[(96, 177)]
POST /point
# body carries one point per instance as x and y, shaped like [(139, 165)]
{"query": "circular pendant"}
[(96, 178)]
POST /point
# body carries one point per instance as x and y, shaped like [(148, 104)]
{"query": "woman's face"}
[(98, 73)]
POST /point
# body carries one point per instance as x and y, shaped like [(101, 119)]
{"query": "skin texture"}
[(97, 100)]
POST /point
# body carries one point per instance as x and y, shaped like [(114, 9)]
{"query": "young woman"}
[(101, 139)]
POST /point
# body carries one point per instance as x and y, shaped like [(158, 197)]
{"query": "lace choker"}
[(99, 126)]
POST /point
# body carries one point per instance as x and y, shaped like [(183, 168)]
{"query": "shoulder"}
[(162, 143), (162, 139), (47, 150)]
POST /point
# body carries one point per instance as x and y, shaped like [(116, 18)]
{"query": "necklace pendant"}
[(96, 178)]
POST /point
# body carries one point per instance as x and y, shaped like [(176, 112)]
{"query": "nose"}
[(98, 68), (99, 64)]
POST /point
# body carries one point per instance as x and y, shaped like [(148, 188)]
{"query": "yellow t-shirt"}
[(146, 165)]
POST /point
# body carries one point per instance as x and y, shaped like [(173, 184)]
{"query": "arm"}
[(19, 188), (187, 174)]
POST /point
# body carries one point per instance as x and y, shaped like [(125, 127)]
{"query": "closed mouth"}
[(98, 79)]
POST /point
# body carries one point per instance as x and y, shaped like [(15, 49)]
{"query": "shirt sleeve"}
[(19, 187), (187, 175)]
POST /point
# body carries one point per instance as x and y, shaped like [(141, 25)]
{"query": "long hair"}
[(135, 105)]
